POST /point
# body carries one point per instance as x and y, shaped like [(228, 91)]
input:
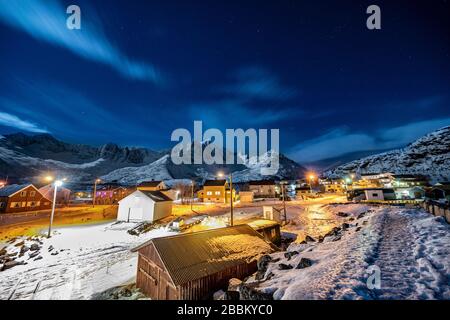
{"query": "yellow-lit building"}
[(152, 186), (216, 191)]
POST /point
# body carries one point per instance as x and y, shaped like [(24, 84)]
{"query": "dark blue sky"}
[(137, 70)]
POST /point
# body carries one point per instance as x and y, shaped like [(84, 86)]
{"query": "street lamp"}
[(220, 174), (192, 194), (311, 179), (56, 184), (95, 191)]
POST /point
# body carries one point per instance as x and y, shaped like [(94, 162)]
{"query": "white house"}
[(144, 206), (380, 194)]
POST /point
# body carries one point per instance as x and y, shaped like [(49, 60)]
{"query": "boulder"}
[(50, 248), (357, 229), (3, 252), (19, 244), (250, 291), (219, 295), (342, 214), (362, 214), (304, 263), (283, 266), (38, 258), (263, 262), (309, 239), (345, 226), (11, 264), (33, 254), (289, 254), (233, 284), (34, 247)]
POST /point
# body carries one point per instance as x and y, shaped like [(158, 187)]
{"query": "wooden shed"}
[(192, 266)]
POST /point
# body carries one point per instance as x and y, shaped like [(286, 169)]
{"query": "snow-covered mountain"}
[(29, 158), (429, 155)]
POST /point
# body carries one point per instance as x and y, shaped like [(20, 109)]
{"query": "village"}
[(183, 239)]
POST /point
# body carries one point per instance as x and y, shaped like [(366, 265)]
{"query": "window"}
[(217, 193), (31, 204), (209, 193), (15, 204), (32, 193), (23, 194), (2, 205)]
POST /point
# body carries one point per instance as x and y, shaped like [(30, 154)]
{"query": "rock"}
[(351, 219), (309, 239), (362, 214), (33, 254), (11, 264), (54, 253), (24, 249), (38, 258), (289, 254), (233, 284), (304, 263), (3, 252), (250, 291), (263, 262), (320, 239), (283, 266), (219, 295), (19, 244), (357, 229), (50, 248), (342, 214), (231, 295), (34, 247), (345, 226)]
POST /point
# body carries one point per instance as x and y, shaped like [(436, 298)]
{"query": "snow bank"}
[(77, 262), (409, 247)]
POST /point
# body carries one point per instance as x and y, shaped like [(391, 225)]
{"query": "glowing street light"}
[(56, 184), (95, 191), (311, 179), (220, 175)]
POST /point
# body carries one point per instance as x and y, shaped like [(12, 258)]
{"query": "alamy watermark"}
[(252, 147), (74, 20), (374, 279)]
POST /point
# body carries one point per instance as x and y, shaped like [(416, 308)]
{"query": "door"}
[(135, 214)]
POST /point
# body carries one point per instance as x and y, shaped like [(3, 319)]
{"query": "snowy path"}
[(409, 247)]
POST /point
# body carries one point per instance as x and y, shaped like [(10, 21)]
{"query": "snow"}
[(408, 245), (90, 259), (428, 156), (156, 170)]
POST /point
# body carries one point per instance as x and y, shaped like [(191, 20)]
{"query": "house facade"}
[(146, 206), (22, 198), (216, 191), (111, 194), (263, 188)]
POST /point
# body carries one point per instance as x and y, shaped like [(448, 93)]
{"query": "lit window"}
[(32, 193), (217, 193), (209, 193), (23, 194)]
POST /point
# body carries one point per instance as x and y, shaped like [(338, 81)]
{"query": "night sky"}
[(137, 70)]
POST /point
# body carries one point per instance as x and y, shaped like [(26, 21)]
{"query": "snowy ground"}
[(89, 260), (409, 246)]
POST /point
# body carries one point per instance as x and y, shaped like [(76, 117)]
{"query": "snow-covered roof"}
[(156, 196), (195, 255), (11, 189)]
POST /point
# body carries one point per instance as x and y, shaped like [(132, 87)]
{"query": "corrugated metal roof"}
[(6, 191), (192, 256), (214, 183)]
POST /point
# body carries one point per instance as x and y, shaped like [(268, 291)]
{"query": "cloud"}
[(257, 82), (236, 114), (341, 141), (46, 20), (10, 120)]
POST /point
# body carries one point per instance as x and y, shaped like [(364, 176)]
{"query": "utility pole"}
[(192, 193), (231, 198), (56, 184), (283, 184), (95, 192)]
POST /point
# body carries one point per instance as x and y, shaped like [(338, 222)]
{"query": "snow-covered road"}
[(409, 247)]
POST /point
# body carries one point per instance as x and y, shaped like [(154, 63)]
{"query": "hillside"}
[(429, 155), (29, 158)]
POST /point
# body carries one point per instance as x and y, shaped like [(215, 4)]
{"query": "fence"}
[(437, 209)]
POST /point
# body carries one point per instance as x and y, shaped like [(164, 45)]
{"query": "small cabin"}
[(146, 206), (192, 266)]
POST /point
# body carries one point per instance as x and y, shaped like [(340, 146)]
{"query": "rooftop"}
[(215, 183), (191, 256), (8, 190)]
